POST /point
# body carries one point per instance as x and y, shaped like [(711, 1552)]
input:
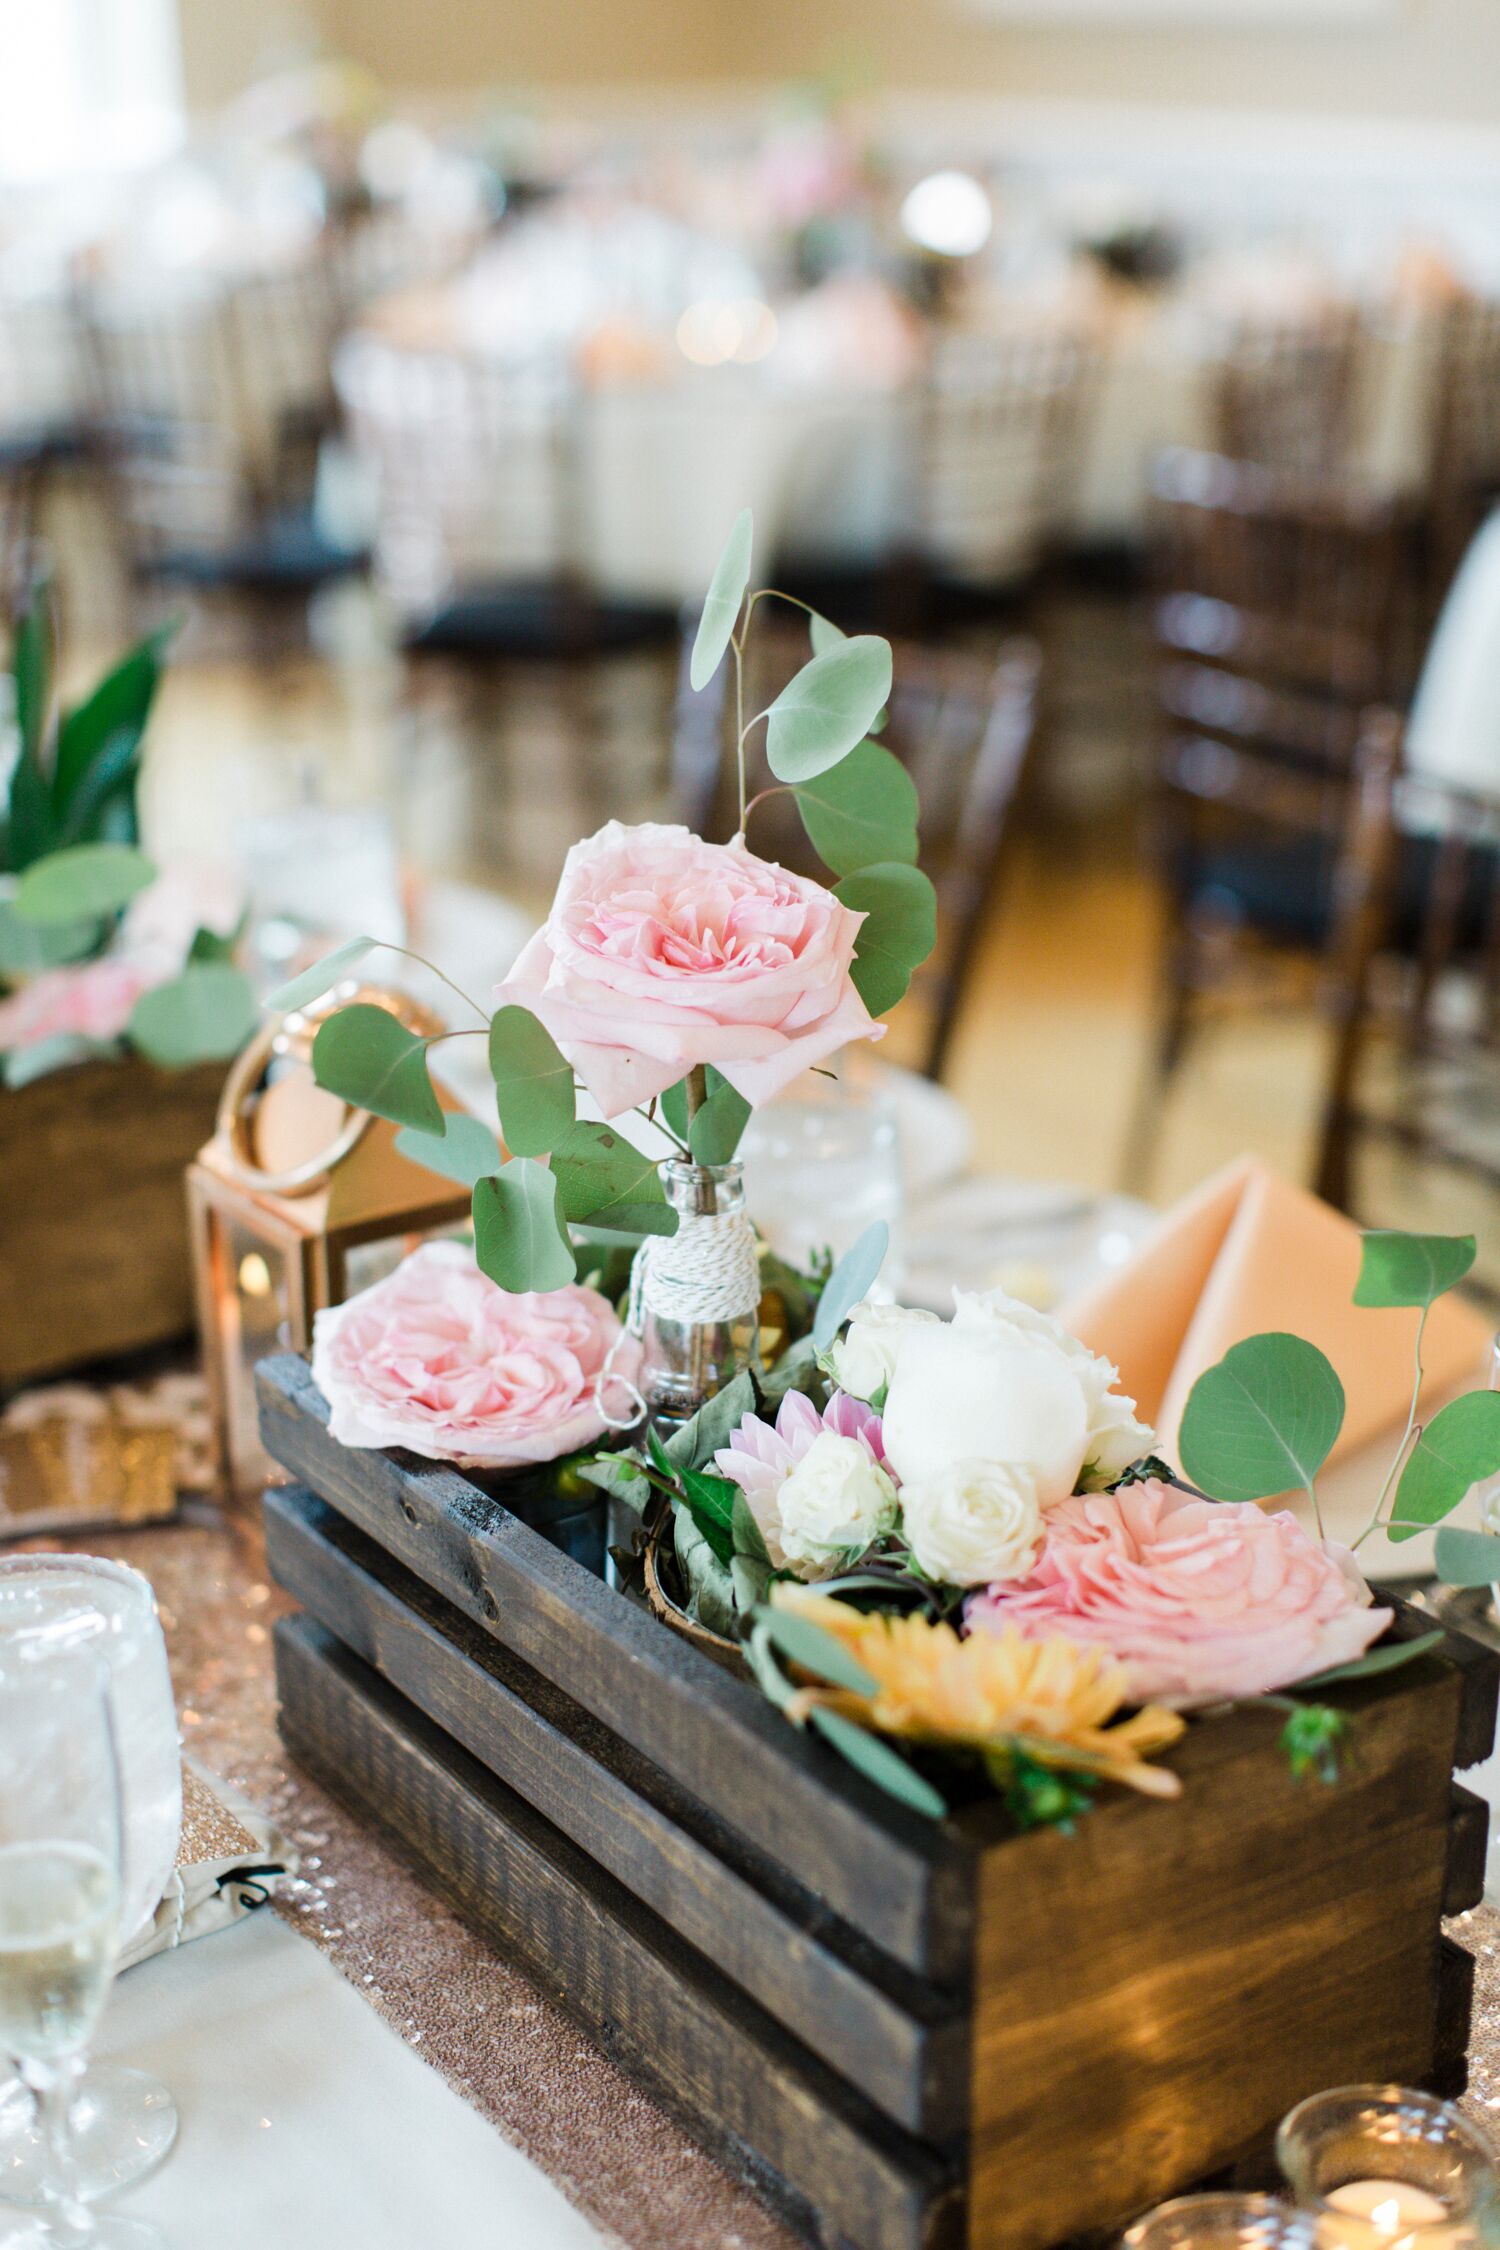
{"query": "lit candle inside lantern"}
[(1384, 2214)]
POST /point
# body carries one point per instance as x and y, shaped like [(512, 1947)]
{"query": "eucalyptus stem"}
[(1407, 1434), (739, 710), (697, 1092), (421, 959)]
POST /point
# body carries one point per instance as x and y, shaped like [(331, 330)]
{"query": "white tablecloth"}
[(306, 2120)]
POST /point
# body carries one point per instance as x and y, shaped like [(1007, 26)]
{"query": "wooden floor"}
[(1050, 1054)]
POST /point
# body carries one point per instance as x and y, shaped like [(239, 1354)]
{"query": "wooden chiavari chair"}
[(1273, 613), (1413, 1089), (1464, 460), (963, 729), (1285, 394)]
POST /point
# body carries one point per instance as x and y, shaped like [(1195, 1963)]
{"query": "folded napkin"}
[(1248, 1252), (229, 1860)]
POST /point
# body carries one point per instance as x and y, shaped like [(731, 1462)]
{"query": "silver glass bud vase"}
[(696, 1292)]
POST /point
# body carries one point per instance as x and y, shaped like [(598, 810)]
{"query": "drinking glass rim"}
[(1254, 2204), (17, 1567)]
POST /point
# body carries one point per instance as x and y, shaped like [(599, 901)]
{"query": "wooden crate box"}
[(914, 2036)]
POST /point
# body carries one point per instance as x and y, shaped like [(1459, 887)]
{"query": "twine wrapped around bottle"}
[(691, 1288)]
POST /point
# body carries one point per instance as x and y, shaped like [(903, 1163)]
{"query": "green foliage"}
[(714, 1133), (1459, 1445), (828, 707), (533, 1084), (823, 633), (26, 947), (802, 1642), (1388, 1657), (83, 883), (709, 1500), (708, 1586), (1040, 1796), (726, 591), (75, 784), (604, 1181), (873, 1757), (1411, 1269), (862, 812), (364, 1054), (899, 931), (850, 1282), (519, 1237), (204, 1015), (709, 1430), (22, 1064), (1263, 1421), (1466, 1558), (1311, 1739), (321, 977), (465, 1151)]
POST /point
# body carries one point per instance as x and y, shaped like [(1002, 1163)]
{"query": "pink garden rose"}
[(438, 1358), (1200, 1598), (662, 952), (87, 1000)]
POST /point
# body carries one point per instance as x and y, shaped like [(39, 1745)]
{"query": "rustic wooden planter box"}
[(93, 1219), (912, 2036)]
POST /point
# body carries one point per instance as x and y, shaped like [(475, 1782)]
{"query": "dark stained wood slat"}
[(1192, 1969), (738, 2080), (1468, 1851), (904, 1881), (906, 2051)]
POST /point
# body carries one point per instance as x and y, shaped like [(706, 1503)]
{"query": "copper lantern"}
[(297, 1202)]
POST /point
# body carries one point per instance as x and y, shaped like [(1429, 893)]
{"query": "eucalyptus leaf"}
[(715, 1132), (372, 1060), (466, 1150), (204, 1015), (1410, 1269), (721, 605), (519, 1237), (85, 880), (824, 634), (1466, 1558), (709, 1430), (1389, 1657), (321, 977), (862, 812), (750, 1579), (43, 1056), (619, 1474), (804, 1643), (828, 707), (534, 1088), (898, 933), (674, 1108), (706, 1575), (1457, 1447), (1263, 1421), (749, 1540), (603, 1180), (878, 1762), (761, 1658), (850, 1282), (26, 947)]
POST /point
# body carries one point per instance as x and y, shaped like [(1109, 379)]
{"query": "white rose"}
[(864, 1357), (973, 1522), (973, 1392), (835, 1501), (1115, 1436)]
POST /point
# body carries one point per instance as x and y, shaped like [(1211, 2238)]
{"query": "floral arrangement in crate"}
[(676, 980), (948, 1544), (100, 953)]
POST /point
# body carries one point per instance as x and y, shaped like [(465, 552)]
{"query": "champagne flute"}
[(124, 2121), (61, 1876)]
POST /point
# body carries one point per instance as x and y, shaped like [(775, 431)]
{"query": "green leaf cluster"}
[(1265, 1419), (77, 772)]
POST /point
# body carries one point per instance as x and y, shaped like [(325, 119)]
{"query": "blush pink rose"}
[(440, 1359), (89, 1000), (1200, 1598), (662, 952)]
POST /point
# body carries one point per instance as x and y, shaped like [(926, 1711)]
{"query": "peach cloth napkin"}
[(1248, 1252)]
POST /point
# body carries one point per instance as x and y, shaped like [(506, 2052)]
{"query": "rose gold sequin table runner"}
[(511, 2054)]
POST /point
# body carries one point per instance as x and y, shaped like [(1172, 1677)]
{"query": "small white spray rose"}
[(864, 1357), (973, 1522), (835, 1502), (975, 1392)]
